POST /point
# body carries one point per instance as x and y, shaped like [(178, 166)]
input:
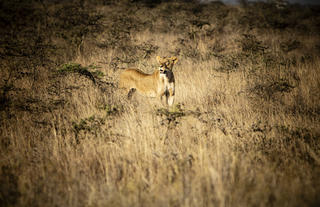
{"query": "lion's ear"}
[(159, 59), (174, 59)]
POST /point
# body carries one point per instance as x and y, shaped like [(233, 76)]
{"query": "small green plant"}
[(112, 109), (98, 74), (172, 115), (89, 125), (251, 45), (78, 68), (70, 67), (95, 72)]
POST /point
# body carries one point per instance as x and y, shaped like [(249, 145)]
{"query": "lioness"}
[(158, 84)]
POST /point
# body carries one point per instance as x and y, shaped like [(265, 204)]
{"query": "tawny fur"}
[(158, 84)]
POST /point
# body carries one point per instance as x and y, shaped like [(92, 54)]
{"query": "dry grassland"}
[(244, 129)]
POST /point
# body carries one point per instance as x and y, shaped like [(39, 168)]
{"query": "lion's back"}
[(132, 78)]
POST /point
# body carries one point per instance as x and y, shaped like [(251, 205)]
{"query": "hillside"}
[(244, 129)]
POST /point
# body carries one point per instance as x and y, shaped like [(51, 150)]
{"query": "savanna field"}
[(244, 129)]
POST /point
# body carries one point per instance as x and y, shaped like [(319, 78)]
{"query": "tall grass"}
[(244, 130)]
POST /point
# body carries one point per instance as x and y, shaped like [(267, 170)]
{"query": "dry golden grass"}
[(244, 130)]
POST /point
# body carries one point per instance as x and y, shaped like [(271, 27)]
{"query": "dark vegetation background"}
[(244, 130)]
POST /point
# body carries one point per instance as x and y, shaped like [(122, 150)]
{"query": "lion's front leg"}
[(170, 94)]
